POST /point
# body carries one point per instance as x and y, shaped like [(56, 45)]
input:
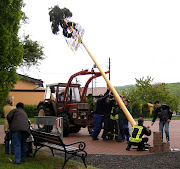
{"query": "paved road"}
[(113, 147)]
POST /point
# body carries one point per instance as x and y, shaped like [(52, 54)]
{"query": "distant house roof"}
[(96, 91), (38, 82)]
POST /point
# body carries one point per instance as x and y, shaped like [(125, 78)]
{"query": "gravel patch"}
[(170, 160)]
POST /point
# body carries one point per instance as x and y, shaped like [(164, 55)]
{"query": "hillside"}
[(173, 87)]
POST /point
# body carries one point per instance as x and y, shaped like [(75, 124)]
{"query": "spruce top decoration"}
[(59, 18)]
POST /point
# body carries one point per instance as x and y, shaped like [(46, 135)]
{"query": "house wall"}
[(27, 97), (24, 91), (23, 84)]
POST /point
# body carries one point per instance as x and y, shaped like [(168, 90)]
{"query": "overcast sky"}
[(142, 38)]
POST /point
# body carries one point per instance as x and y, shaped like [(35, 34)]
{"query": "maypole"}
[(75, 32)]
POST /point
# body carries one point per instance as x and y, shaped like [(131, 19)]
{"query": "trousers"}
[(98, 120), (165, 124), (19, 142)]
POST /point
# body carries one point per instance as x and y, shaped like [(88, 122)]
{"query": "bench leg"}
[(83, 157), (65, 160), (36, 150), (52, 151)]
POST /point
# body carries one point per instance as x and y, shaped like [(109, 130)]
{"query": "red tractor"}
[(65, 100)]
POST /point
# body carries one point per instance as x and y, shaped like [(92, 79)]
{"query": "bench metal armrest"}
[(81, 145)]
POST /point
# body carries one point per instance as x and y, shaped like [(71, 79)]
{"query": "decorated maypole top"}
[(73, 33)]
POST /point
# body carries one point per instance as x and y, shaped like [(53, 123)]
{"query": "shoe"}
[(28, 155), (105, 139), (94, 138), (140, 149), (127, 148), (110, 138)]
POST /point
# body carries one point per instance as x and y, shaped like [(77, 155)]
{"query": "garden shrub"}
[(136, 110), (31, 110), (145, 110)]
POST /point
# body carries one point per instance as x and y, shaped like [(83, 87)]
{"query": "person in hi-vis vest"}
[(136, 136)]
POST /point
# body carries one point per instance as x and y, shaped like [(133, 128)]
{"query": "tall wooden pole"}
[(119, 100), (116, 95)]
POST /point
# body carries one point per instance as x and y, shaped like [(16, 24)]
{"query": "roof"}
[(36, 81), (96, 91)]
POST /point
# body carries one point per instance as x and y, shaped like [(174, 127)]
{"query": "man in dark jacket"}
[(20, 129), (99, 114), (164, 113), (137, 133), (109, 103)]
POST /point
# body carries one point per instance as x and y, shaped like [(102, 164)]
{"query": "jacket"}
[(114, 113), (101, 104), (6, 110), (164, 113), (122, 116), (18, 120), (137, 132)]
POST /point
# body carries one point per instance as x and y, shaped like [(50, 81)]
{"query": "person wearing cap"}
[(137, 138), (123, 121), (164, 113), (99, 114)]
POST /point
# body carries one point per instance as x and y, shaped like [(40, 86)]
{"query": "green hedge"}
[(31, 110), (145, 110), (1, 112), (136, 110)]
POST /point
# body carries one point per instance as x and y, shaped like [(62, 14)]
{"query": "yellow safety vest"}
[(112, 116), (136, 132)]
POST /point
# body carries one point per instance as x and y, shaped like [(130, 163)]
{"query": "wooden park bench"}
[(53, 141)]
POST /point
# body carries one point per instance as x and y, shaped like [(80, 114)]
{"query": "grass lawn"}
[(42, 160)]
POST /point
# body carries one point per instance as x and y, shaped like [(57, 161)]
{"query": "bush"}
[(92, 103), (136, 110), (1, 112), (145, 110), (31, 110)]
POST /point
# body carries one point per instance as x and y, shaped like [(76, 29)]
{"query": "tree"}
[(33, 52), (11, 49), (145, 92)]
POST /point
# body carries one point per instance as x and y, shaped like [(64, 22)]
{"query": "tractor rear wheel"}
[(42, 112)]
